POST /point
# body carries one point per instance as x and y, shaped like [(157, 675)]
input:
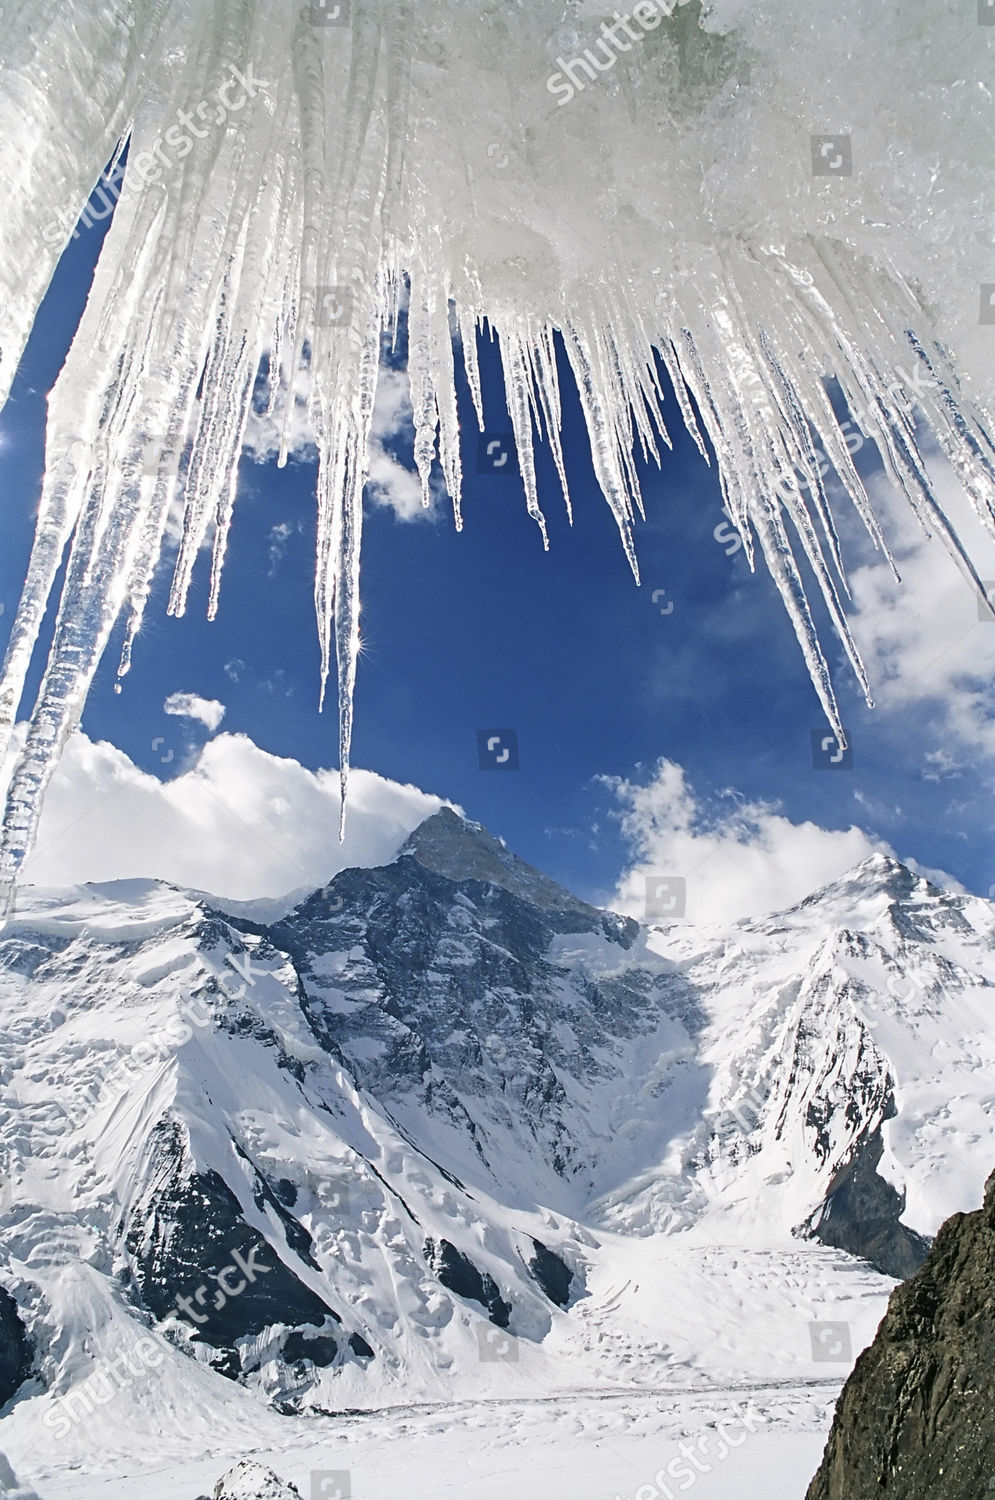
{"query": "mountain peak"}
[(458, 849), (876, 876), (900, 881)]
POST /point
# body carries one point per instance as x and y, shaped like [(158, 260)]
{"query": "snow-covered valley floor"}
[(514, 1427), (584, 1447)]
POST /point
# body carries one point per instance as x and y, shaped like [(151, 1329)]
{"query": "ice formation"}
[(750, 195)]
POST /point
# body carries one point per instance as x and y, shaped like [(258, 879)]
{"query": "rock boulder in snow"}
[(251, 1481)]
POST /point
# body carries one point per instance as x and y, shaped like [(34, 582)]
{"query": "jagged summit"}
[(900, 879), (458, 849), (876, 876)]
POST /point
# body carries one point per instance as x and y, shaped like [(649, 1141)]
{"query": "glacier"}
[(774, 218)]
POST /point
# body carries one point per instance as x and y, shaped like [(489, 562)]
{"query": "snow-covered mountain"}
[(444, 1129)]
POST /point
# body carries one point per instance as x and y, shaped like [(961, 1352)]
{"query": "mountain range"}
[(445, 1129)]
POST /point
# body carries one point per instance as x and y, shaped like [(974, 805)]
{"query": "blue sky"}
[(599, 680)]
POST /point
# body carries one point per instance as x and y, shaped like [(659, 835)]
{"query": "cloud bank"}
[(737, 858), (240, 823), (928, 642)]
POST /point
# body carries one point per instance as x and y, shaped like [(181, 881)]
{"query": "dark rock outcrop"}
[(916, 1418), (15, 1351), (458, 1274), (320, 1349), (195, 1257), (552, 1273), (862, 1215)]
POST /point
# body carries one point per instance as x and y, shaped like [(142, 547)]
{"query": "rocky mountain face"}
[(862, 1212), (444, 1122), (917, 1416)]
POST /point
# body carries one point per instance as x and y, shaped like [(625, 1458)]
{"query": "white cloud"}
[(240, 823), (264, 430), (929, 655), (279, 536), (189, 706), (739, 859), (390, 483)]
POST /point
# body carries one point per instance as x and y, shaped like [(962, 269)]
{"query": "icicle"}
[(518, 390), (296, 179), (424, 403)]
